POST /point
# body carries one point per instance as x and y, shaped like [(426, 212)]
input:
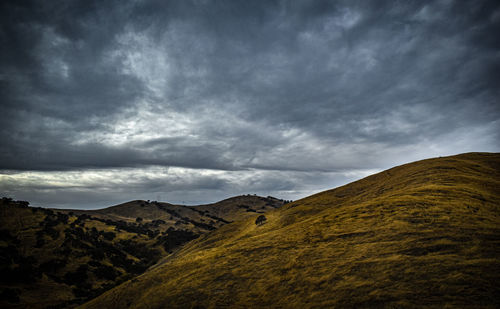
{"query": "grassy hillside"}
[(58, 258), (425, 234)]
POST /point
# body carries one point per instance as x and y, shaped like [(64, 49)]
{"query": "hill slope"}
[(425, 234), (198, 219), (58, 258)]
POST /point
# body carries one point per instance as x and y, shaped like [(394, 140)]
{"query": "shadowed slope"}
[(59, 258), (421, 234)]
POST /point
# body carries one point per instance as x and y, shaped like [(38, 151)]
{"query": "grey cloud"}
[(86, 189), (281, 86)]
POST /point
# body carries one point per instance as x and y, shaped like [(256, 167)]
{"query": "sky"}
[(192, 102)]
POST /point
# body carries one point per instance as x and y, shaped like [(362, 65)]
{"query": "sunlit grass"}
[(426, 234)]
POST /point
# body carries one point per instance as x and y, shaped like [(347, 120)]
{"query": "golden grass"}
[(425, 234)]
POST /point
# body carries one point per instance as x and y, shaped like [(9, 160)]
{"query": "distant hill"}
[(201, 218), (425, 234), (59, 258)]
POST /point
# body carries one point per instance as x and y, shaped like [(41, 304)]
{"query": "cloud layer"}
[(213, 98)]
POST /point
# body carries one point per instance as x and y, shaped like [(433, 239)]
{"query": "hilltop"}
[(424, 234), (199, 218), (59, 258)]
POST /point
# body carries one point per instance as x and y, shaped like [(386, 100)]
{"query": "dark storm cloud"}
[(290, 86)]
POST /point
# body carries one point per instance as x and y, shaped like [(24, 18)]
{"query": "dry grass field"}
[(424, 234)]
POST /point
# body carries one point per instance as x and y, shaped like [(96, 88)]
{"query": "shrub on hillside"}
[(175, 238), (10, 295), (77, 277), (106, 272), (52, 266), (260, 220), (109, 235)]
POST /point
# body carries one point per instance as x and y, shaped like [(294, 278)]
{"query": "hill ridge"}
[(57, 257), (424, 234)]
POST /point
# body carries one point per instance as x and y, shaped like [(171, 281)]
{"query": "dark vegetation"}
[(111, 260), (260, 220), (174, 238), (57, 259)]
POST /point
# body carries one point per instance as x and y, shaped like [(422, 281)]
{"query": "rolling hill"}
[(424, 234), (59, 258)]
